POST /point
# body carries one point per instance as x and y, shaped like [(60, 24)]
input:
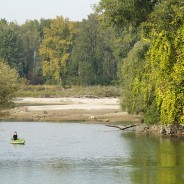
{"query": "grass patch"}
[(74, 91)]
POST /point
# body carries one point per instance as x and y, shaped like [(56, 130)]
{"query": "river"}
[(78, 153)]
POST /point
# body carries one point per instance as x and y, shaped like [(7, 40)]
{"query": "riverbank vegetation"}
[(133, 46), (9, 80), (51, 91)]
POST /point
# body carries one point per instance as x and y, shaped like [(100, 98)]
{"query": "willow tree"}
[(165, 61), (55, 49), (160, 82)]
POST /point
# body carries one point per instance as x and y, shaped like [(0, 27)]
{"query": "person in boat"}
[(15, 136)]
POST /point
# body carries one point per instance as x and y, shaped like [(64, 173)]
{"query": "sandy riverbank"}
[(102, 110)]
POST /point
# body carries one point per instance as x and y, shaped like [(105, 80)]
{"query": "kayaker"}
[(15, 136)]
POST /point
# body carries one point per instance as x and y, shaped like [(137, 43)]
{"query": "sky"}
[(22, 10)]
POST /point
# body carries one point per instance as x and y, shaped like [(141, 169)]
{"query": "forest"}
[(136, 45)]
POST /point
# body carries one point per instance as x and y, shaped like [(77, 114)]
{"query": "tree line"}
[(135, 44), (59, 51)]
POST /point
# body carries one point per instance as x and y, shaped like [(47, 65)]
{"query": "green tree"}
[(121, 13), (8, 85), (10, 46), (30, 36), (93, 55), (131, 70)]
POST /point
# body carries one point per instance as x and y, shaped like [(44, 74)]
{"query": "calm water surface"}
[(74, 153)]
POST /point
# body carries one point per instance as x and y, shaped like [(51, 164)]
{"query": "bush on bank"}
[(8, 85)]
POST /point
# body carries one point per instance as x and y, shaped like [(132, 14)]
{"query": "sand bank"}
[(102, 110)]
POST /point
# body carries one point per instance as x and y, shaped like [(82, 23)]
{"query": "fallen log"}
[(125, 127)]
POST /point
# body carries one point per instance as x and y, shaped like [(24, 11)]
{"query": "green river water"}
[(76, 153)]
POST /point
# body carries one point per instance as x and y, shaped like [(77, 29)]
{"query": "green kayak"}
[(18, 141)]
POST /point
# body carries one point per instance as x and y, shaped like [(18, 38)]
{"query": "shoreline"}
[(96, 110), (84, 110)]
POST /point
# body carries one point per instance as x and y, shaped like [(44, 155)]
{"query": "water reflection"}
[(156, 159)]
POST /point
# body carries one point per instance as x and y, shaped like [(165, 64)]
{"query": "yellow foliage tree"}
[(165, 68), (55, 49)]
